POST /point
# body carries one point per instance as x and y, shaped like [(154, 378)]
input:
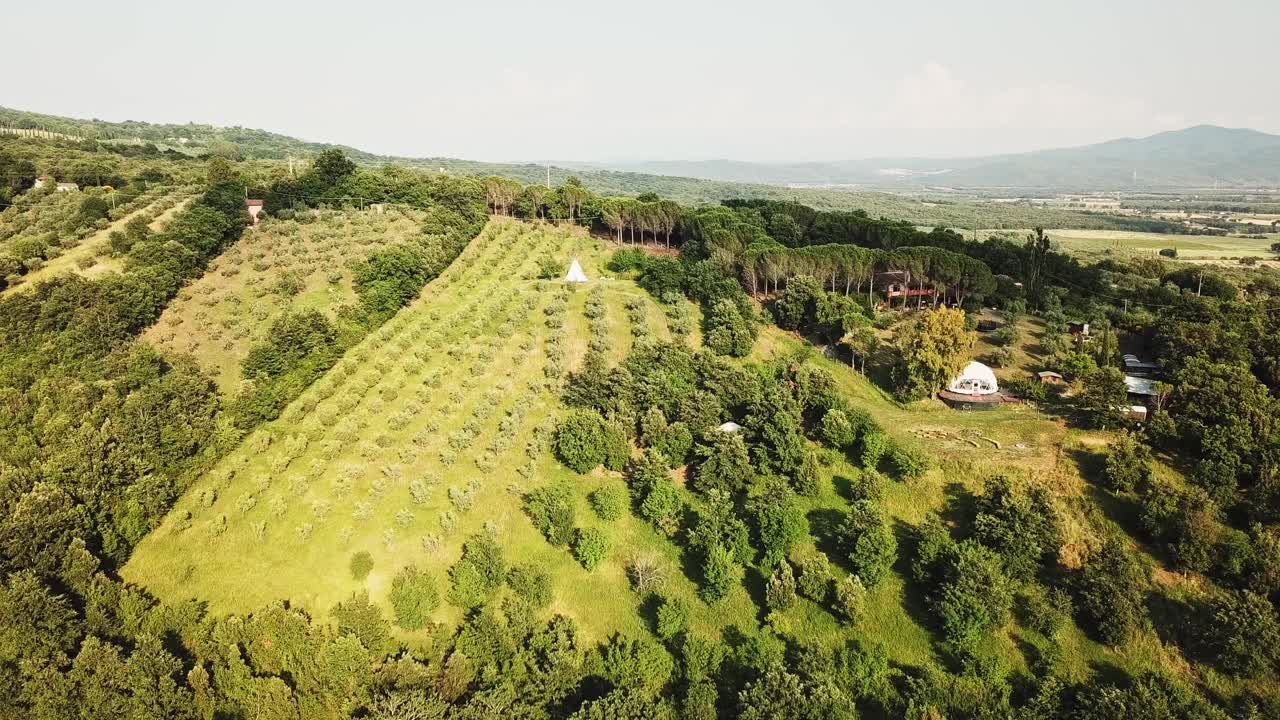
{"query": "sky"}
[(801, 80)]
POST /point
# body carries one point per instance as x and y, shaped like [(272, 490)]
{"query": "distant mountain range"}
[(1203, 156)]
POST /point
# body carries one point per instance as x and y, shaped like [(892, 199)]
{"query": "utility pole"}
[(548, 176), (1199, 284), (291, 165)]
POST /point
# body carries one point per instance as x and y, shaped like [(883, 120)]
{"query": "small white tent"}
[(575, 273), (975, 379)]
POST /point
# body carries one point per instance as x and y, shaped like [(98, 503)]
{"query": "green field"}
[(1123, 243)]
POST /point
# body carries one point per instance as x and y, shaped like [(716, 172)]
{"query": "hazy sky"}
[(793, 80)]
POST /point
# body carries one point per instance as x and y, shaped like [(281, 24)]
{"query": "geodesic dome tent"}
[(975, 379)]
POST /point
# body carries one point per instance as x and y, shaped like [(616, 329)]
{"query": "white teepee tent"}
[(575, 273)]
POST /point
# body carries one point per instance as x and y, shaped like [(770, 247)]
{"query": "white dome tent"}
[(575, 273), (975, 379)]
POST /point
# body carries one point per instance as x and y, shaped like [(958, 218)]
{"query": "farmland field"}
[(90, 257), (423, 435), (277, 266), (1194, 248)]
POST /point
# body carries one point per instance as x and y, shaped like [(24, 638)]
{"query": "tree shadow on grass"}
[(648, 611), (959, 505), (843, 487), (824, 523), (754, 581), (915, 595), (1092, 465)]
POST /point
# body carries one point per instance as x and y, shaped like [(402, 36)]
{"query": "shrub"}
[(780, 590), (874, 445), (837, 430), (974, 598), (720, 574), (851, 598), (413, 598), (531, 584), (478, 574), (552, 509), (361, 618), (663, 506), (673, 618), (815, 578), (870, 542), (1243, 633), (728, 332), (591, 547), (610, 501), (907, 462), (1128, 465), (1110, 590)]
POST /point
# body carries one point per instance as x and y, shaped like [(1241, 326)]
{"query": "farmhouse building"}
[(254, 207)]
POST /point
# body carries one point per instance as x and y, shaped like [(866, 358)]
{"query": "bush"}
[(478, 574), (361, 618), (550, 268), (1128, 465), (530, 584), (870, 542), (673, 618), (1110, 592), (780, 590), (851, 598), (1243, 634), (874, 445), (413, 598), (728, 332), (610, 501), (627, 259), (837, 430), (720, 574), (361, 565), (815, 578), (974, 597), (591, 547), (907, 462), (552, 509)]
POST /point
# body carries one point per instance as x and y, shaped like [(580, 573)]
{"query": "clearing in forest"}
[(279, 265)]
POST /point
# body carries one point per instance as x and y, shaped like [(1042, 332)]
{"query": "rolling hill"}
[(1196, 157)]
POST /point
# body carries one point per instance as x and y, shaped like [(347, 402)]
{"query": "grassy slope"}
[(455, 326), (221, 316), (463, 311)]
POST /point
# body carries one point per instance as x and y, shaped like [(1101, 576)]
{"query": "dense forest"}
[(101, 434)]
